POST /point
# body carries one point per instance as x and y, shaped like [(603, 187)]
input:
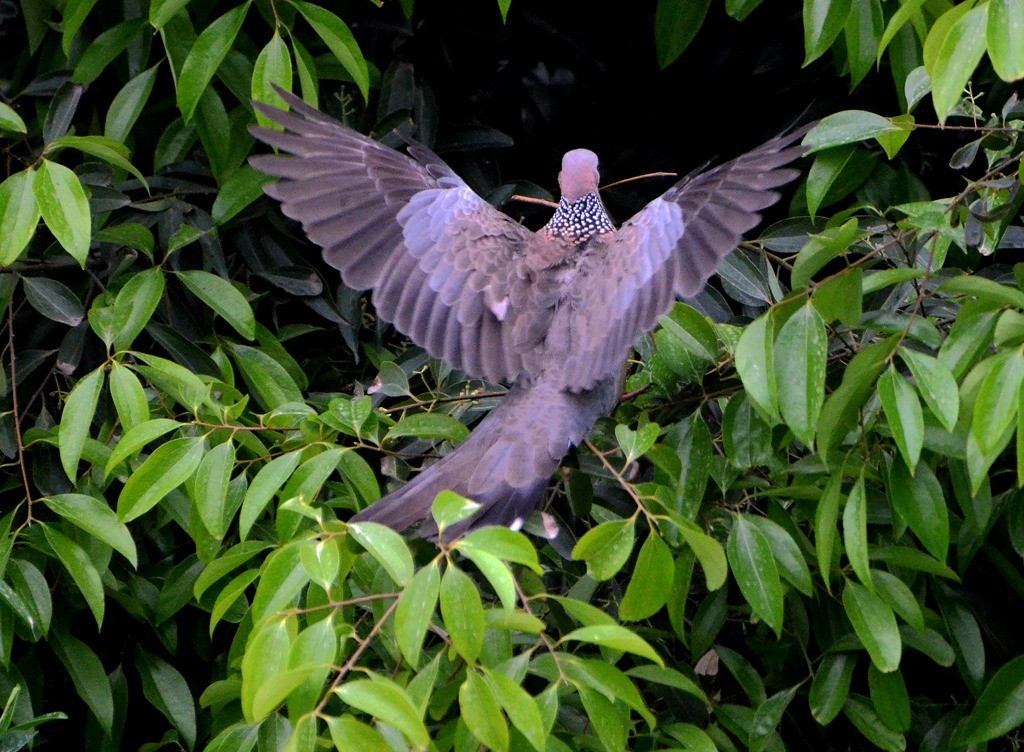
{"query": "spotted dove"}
[(552, 312)]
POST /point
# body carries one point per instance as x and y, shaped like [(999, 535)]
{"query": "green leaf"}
[(166, 689), (820, 249), (339, 40), (265, 659), (162, 11), (635, 444), (137, 437), (606, 547), (863, 31), (676, 23), (110, 151), (135, 304), (415, 607), (826, 517), (855, 531), (889, 698), (387, 701), (800, 353), (74, 15), (904, 13), (768, 716), (497, 573), (102, 50), (615, 637), (128, 105), (899, 596), (211, 487), (53, 300), (709, 553), (788, 556), (984, 289), (169, 466), (755, 365), (463, 613), (87, 674), (863, 716), (920, 502), (321, 561), (273, 68), (76, 420), (19, 214), (903, 414), (449, 508), (847, 127), (428, 426), (482, 714), (205, 57), (995, 409), (936, 384), (282, 581), (958, 56), (10, 120), (64, 207), (520, 708), (831, 686), (268, 481), (507, 545), (823, 22), (81, 569), (128, 395), (753, 566), (875, 625), (222, 297), (999, 710), (234, 557), (230, 595), (1005, 38), (348, 733), (271, 384), (387, 547), (96, 518), (651, 581), (243, 187)]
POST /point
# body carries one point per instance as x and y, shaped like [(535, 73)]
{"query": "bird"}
[(553, 312)]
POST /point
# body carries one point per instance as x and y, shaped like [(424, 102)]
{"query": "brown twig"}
[(533, 200), (640, 177), (16, 412), (351, 662)]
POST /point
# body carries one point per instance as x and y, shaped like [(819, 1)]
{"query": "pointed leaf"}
[(64, 207), (19, 214), (753, 566), (77, 419), (415, 607)]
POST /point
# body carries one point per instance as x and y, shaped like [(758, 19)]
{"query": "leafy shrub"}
[(800, 527)]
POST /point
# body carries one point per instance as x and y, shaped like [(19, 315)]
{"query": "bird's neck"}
[(579, 220)]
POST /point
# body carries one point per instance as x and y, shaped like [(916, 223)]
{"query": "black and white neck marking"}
[(580, 220)]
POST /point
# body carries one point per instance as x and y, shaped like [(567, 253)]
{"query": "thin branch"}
[(351, 662), (16, 411), (640, 177), (533, 200)]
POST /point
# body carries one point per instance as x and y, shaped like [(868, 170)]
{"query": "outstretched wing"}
[(443, 264), (670, 248)]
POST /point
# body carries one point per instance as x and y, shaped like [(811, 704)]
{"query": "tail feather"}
[(506, 462)]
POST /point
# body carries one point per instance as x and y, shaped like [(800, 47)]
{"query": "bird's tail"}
[(506, 462)]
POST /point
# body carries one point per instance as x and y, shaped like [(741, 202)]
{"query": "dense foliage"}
[(802, 528)]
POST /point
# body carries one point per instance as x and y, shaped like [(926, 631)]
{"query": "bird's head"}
[(579, 175)]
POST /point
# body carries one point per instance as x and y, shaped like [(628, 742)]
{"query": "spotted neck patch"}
[(580, 220)]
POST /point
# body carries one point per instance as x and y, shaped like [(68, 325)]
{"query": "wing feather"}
[(670, 248), (440, 259)]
